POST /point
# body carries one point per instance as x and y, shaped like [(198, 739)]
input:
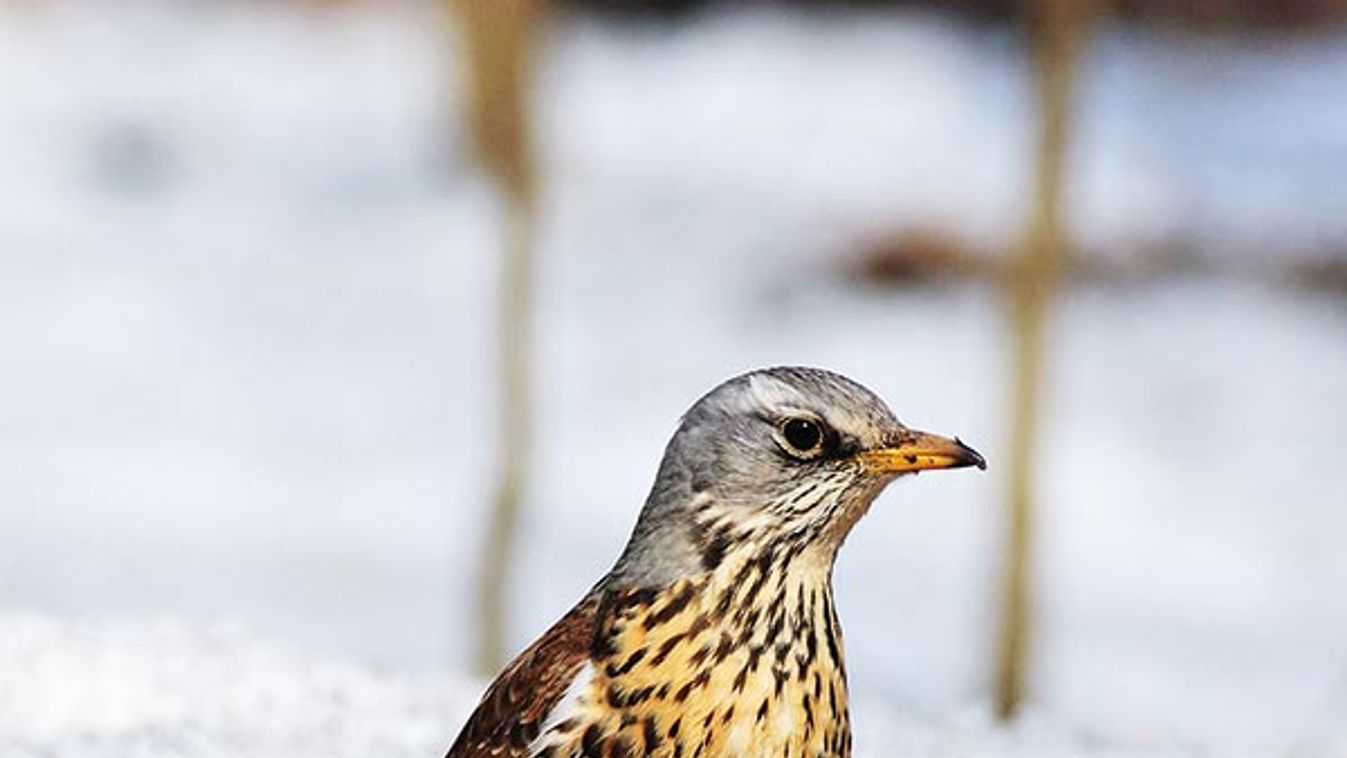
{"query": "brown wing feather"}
[(511, 713)]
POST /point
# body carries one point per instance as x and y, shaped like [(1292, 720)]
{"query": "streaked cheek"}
[(816, 496)]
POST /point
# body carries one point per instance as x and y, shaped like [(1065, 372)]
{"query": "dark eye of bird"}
[(802, 434)]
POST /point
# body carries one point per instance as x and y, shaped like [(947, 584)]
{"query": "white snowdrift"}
[(166, 690)]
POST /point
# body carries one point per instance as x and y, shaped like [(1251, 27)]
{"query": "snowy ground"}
[(245, 314), (164, 690)]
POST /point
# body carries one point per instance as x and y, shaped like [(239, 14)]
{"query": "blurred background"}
[(254, 261)]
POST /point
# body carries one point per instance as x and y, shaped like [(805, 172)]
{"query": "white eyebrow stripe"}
[(766, 393), (773, 394)]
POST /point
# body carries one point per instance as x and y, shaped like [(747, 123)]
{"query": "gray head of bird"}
[(785, 460)]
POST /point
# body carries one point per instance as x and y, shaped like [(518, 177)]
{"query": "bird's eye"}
[(803, 436)]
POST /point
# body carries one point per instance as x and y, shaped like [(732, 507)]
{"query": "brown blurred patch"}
[(918, 255), (1326, 275), (1197, 14), (921, 256), (1177, 256), (1247, 14)]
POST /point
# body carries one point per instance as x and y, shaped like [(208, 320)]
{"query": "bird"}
[(715, 633)]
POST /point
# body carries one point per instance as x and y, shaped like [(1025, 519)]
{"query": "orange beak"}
[(919, 451)]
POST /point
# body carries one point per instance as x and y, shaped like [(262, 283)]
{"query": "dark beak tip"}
[(971, 456)]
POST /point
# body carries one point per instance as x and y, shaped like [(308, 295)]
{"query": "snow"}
[(158, 688), (246, 307), (161, 689)]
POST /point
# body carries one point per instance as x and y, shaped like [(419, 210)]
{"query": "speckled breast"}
[(746, 663)]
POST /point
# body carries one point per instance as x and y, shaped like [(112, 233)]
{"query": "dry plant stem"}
[(498, 43), (516, 428), (1058, 32), (516, 431)]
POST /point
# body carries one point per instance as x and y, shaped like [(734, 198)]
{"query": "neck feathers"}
[(744, 659)]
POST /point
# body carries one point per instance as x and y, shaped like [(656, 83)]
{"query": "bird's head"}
[(777, 459)]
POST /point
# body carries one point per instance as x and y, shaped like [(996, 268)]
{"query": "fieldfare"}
[(715, 634)]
